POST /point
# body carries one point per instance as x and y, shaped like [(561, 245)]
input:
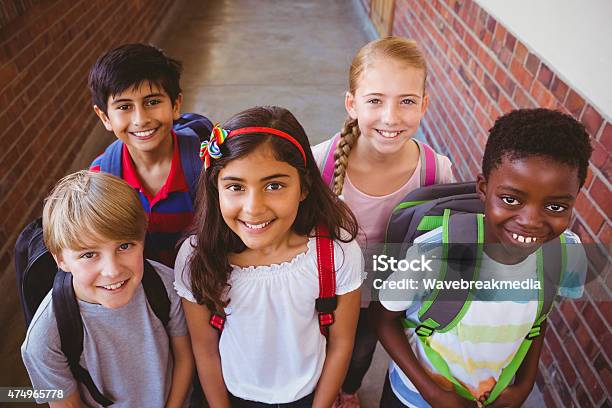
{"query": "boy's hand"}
[(513, 396), (443, 398)]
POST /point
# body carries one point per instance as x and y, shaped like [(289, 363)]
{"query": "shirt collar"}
[(174, 182)]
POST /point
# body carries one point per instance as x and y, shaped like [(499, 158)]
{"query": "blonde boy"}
[(94, 226)]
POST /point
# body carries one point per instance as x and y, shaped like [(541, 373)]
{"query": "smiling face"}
[(104, 272), (528, 202), (141, 117), (388, 103), (259, 198)]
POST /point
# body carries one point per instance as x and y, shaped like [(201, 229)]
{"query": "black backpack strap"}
[(156, 293), (34, 268), (462, 238), (70, 328)]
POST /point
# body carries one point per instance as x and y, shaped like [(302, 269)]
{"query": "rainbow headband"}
[(211, 149)]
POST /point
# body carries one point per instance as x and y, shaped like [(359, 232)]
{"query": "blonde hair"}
[(397, 48), (95, 205)]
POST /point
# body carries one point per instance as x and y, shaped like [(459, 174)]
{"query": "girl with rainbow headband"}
[(272, 264), (374, 161)]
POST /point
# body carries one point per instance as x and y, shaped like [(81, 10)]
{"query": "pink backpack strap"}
[(326, 302), (429, 165), (327, 170)]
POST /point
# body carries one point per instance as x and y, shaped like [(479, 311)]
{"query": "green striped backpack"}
[(458, 210)]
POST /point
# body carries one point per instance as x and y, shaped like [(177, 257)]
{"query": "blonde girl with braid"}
[(373, 162)]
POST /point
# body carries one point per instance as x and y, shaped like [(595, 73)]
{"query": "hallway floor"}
[(295, 54)]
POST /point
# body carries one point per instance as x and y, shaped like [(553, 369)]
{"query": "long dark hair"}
[(209, 265)]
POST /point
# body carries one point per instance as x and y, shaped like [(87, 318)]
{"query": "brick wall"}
[(479, 70), (46, 49)]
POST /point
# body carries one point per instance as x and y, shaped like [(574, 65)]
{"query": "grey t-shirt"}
[(126, 350)]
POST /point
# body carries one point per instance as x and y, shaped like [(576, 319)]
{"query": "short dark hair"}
[(128, 66), (538, 132)]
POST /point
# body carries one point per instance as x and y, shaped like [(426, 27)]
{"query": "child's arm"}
[(182, 373), (46, 364), (72, 401), (339, 348), (393, 339), (205, 343), (515, 394)]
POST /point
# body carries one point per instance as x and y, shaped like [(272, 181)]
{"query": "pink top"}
[(373, 212)]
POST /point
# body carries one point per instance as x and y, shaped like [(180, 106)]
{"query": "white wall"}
[(573, 37)]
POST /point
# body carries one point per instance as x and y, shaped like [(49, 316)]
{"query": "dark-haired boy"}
[(136, 94), (534, 165)]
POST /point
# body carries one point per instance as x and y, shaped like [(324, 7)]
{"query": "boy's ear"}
[(349, 104), (176, 107), (481, 187), (103, 117), (59, 260)]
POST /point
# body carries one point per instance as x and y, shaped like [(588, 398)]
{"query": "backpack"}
[(327, 302), (190, 129), (37, 274), (457, 208), (430, 173), (422, 210)]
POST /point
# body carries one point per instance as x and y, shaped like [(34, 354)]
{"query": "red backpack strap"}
[(217, 321), (327, 169), (429, 164), (326, 302)]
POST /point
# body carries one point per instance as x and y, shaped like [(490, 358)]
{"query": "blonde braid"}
[(348, 137)]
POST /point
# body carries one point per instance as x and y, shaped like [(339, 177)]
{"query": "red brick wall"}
[(46, 49), (479, 70)]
